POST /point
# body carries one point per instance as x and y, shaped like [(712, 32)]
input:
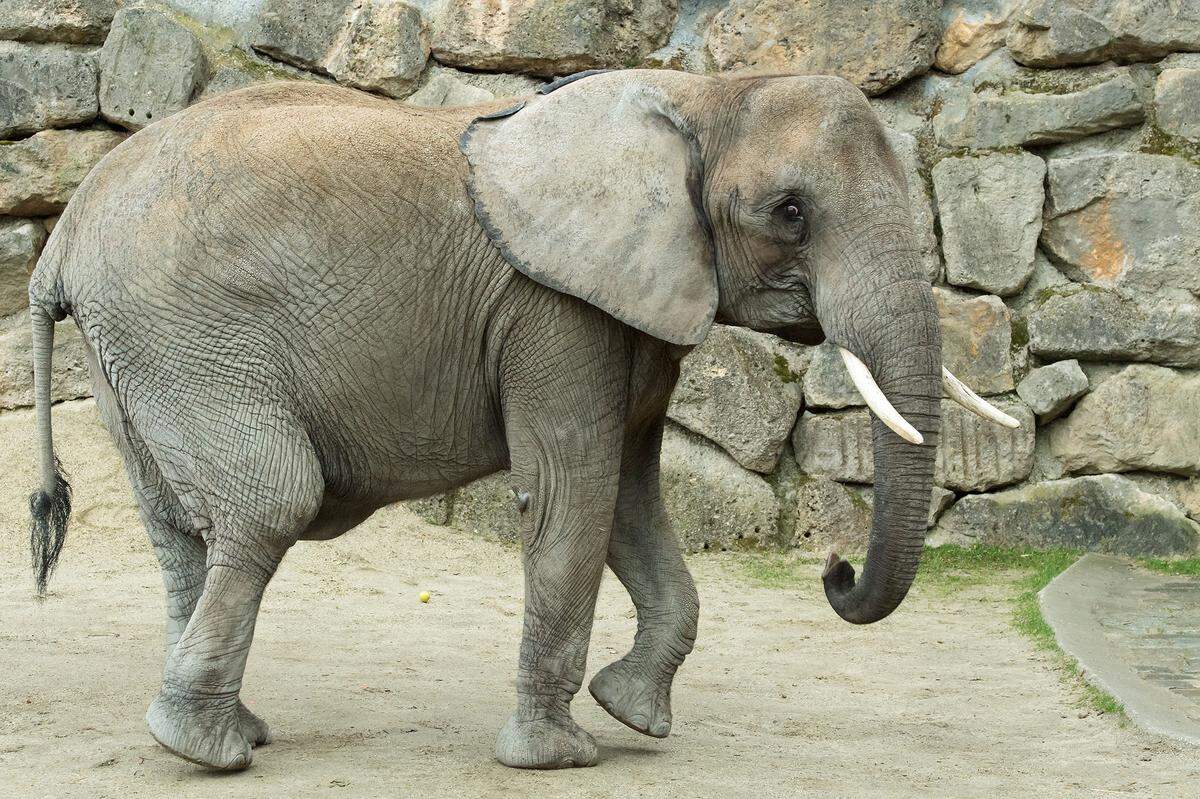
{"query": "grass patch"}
[(948, 569), (1184, 568)]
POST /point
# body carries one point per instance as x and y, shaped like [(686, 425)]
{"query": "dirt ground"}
[(371, 693)]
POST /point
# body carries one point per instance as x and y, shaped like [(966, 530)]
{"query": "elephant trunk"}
[(898, 339)]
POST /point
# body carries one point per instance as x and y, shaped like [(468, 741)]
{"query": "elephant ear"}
[(592, 189)]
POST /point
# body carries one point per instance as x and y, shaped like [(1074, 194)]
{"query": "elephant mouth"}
[(810, 333)]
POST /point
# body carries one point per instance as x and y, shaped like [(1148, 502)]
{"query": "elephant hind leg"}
[(181, 552), (260, 486)]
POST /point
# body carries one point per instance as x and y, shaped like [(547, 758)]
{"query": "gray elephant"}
[(303, 303)]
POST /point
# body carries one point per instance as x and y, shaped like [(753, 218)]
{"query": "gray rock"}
[(1044, 279), (432, 510), (973, 454), (45, 86), (1142, 419), (446, 90), (70, 378), (550, 38), (908, 107), (41, 172), (996, 116), (904, 145), (68, 21), (824, 516), (972, 30), (1056, 33), (377, 45), (976, 340), (712, 502), (1095, 323), (150, 66), (741, 390), (1182, 492), (443, 86), (826, 382), (1105, 513), (1176, 103), (1050, 390), (1127, 220), (485, 507), (977, 455), (685, 49), (875, 46), (21, 242), (991, 213)]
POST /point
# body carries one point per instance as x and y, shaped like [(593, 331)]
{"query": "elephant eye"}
[(792, 214)]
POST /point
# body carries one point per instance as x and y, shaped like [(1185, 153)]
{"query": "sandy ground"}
[(371, 693)]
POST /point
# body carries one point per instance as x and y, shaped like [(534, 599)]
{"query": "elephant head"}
[(671, 200)]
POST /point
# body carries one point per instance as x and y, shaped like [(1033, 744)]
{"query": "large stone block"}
[(550, 37), (377, 45), (1056, 33), (1095, 324), (41, 172), (1049, 390), (992, 115), (70, 379), (742, 390), (973, 454), (21, 242), (68, 21), (1125, 219), (875, 46), (972, 30), (904, 145), (991, 212), (150, 66), (1106, 513), (1143, 418), (976, 340), (1177, 97), (45, 86), (712, 502), (977, 455), (822, 515)]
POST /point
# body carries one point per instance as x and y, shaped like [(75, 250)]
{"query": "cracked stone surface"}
[(1135, 634)]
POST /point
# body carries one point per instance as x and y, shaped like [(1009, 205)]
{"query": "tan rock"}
[(974, 30), (550, 37), (873, 45), (41, 172), (21, 242)]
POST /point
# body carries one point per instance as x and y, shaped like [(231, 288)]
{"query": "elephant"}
[(302, 303)]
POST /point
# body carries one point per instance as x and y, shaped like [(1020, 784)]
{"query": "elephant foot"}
[(545, 743), (218, 735), (254, 729), (634, 698)]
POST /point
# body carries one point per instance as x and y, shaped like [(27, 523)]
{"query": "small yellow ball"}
[(423, 596)]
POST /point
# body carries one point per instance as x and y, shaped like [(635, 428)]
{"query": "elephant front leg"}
[(568, 515), (645, 556)]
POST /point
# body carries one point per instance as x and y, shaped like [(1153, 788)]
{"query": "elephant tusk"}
[(876, 401), (958, 391)]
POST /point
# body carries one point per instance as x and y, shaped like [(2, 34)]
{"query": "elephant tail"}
[(50, 504)]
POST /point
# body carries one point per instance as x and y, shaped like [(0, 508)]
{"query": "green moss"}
[(1159, 142), (784, 370)]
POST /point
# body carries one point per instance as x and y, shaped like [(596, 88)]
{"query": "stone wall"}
[(1053, 154)]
